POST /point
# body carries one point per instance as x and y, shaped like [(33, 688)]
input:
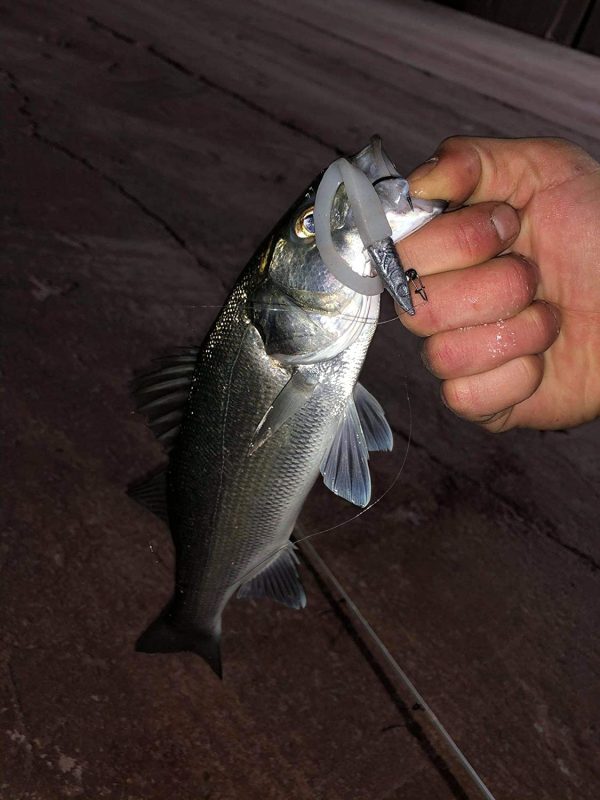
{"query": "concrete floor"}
[(145, 154)]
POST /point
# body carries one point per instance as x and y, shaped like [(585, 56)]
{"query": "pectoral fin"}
[(345, 466), (294, 395), (378, 434), (279, 581)]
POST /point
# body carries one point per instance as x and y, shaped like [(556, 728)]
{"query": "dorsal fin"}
[(279, 581), (378, 434), (161, 394), (345, 466)]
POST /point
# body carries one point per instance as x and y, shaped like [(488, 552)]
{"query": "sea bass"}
[(270, 399)]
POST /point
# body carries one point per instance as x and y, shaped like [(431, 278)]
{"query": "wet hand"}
[(513, 280)]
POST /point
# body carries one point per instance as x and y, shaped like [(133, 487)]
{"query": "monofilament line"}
[(316, 560)]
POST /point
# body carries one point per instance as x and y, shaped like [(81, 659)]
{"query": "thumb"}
[(474, 170)]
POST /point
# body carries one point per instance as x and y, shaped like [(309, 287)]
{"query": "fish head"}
[(295, 264), (302, 310)]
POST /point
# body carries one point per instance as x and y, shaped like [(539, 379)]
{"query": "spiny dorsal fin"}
[(161, 394), (345, 466), (279, 581), (378, 434), (152, 493)]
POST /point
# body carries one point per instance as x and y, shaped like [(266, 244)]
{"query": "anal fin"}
[(279, 581)]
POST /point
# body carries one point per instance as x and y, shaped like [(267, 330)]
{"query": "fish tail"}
[(162, 636)]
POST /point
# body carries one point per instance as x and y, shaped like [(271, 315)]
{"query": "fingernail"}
[(505, 220), (424, 169)]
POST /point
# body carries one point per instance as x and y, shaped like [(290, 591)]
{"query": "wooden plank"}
[(555, 83), (317, 81)]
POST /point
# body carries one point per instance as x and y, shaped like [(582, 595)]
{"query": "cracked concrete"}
[(25, 110), (240, 98), (509, 503)]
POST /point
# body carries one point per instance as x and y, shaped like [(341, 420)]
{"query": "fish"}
[(268, 401)]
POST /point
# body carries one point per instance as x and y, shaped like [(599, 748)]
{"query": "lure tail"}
[(162, 636)]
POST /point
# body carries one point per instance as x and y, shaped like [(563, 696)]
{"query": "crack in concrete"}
[(211, 84), (509, 505), (25, 111)]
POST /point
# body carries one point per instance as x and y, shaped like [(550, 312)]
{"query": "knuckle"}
[(465, 149), (575, 159), (451, 142), (556, 144), (468, 240)]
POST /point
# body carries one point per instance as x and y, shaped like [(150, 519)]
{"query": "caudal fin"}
[(163, 637)]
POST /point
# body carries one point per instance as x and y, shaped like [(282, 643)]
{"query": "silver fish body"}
[(270, 399)]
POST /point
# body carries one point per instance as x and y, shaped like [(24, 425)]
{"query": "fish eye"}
[(305, 224)]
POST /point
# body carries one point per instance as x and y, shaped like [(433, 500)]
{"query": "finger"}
[(470, 351), (460, 239), (473, 170), (489, 397), (498, 289)]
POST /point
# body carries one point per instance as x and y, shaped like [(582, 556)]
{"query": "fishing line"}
[(319, 564), (316, 559), (274, 307), (383, 494)]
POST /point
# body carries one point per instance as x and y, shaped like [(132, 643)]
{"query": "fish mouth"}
[(374, 161), (383, 213), (403, 223), (431, 207)]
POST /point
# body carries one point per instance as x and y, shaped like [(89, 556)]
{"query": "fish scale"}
[(272, 401)]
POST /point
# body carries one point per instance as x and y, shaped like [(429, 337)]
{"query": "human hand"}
[(514, 337)]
